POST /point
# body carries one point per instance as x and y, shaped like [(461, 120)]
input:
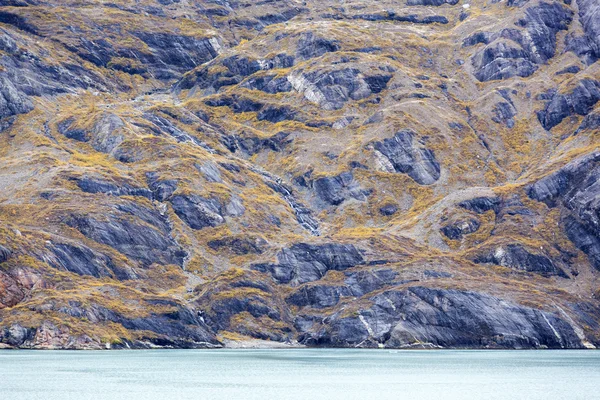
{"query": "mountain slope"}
[(362, 174)]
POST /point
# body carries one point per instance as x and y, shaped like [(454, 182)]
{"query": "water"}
[(299, 374)]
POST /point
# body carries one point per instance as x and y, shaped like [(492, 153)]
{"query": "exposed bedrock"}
[(518, 257), (575, 188), (198, 212), (456, 230), (578, 101), (244, 302), (145, 238), (180, 327), (332, 89), (406, 155), (429, 317), (105, 135), (303, 262), (520, 50), (334, 190)]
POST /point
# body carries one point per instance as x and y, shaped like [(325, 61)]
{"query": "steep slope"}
[(190, 173)]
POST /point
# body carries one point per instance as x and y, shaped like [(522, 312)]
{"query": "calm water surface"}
[(299, 374)]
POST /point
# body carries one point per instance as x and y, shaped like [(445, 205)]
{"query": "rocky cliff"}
[(404, 174)]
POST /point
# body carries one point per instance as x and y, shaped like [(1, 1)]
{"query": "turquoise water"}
[(299, 374)]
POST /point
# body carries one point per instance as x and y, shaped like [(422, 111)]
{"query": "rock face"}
[(579, 101), (420, 316), (179, 327), (247, 304), (332, 89), (588, 46), (518, 257), (575, 188), (12, 102), (514, 52), (84, 261), (406, 157), (94, 185), (104, 136), (481, 205), (305, 263), (145, 240), (198, 212), (335, 190)]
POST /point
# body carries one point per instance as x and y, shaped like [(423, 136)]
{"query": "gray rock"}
[(575, 188), (4, 254), (251, 294), (458, 229), (409, 158), (304, 215), (362, 282), (303, 262), (236, 69), (140, 240), (198, 212), (311, 46), (210, 170), (82, 260), (501, 59), (12, 101), (435, 3), (481, 205), (317, 296), (105, 135), (238, 246), (269, 84), (504, 113), (251, 145), (179, 327), (331, 89), (97, 185), (420, 316), (517, 257), (591, 121), (162, 189), (335, 190), (388, 209), (15, 335), (579, 101), (162, 125), (171, 55), (588, 46)]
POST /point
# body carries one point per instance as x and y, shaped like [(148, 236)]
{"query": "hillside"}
[(207, 173)]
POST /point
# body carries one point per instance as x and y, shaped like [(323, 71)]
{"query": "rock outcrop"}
[(579, 101), (303, 262), (407, 157), (518, 52), (517, 257), (575, 188), (332, 89), (429, 317)]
